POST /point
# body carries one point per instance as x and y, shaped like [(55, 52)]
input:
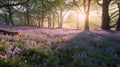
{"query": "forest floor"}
[(59, 48)]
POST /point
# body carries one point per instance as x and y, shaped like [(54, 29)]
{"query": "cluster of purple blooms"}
[(92, 46)]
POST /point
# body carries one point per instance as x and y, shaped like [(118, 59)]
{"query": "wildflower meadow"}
[(59, 48)]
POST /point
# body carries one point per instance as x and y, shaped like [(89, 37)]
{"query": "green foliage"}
[(33, 65), (40, 40), (18, 44), (12, 62), (118, 51), (95, 65), (3, 47), (33, 49), (79, 64), (57, 41), (107, 59)]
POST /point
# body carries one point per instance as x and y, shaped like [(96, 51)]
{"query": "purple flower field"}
[(59, 48)]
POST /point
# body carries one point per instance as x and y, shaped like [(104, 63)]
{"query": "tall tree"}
[(61, 5), (118, 21), (28, 14), (105, 15), (86, 8), (9, 8)]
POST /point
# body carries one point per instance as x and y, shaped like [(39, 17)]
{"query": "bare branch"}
[(113, 8), (99, 3), (78, 6), (113, 13), (5, 5), (113, 25), (114, 16)]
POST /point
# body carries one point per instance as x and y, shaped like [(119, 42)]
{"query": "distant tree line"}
[(37, 12)]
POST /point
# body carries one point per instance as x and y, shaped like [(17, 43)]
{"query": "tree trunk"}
[(86, 22), (25, 20), (58, 20), (118, 21), (86, 11), (39, 21), (6, 19), (42, 19), (61, 18), (10, 16), (49, 21), (77, 21), (27, 15), (105, 15), (53, 18)]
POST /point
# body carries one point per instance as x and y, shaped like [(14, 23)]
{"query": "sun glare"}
[(78, 17), (81, 17)]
